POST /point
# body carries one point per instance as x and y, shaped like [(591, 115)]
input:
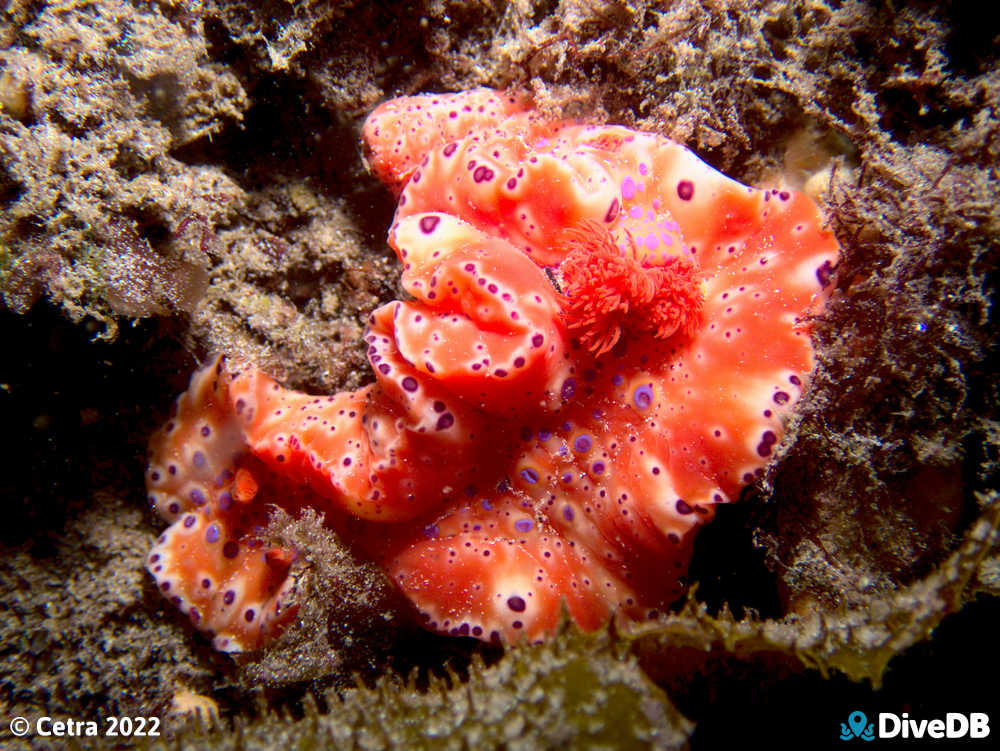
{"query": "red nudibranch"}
[(603, 339)]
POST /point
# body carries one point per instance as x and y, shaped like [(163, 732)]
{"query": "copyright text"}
[(110, 727)]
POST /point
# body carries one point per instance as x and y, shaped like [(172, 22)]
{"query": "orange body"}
[(521, 447)]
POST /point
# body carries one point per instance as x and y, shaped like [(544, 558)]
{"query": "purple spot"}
[(568, 388), (409, 383), (439, 406), (530, 475), (198, 459), (537, 340), (598, 468), (643, 397), (347, 461), (567, 478), (165, 587), (487, 505), (517, 604), (225, 501), (450, 148), (206, 583), (197, 497), (583, 443), (512, 183), (683, 507), (613, 210), (229, 597), (224, 477), (794, 380), (544, 435), (824, 273), (523, 525), (568, 513), (517, 624), (173, 508), (482, 174), (155, 477), (189, 521), (767, 440), (212, 533), (500, 373), (618, 379), (429, 223), (154, 557), (781, 397), (445, 421), (519, 362), (384, 368), (230, 549), (248, 616), (205, 431), (628, 188), (431, 531), (784, 195), (685, 190)]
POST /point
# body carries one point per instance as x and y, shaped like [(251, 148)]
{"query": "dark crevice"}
[(71, 428), (287, 132), (974, 42), (727, 567), (927, 681), (10, 189)]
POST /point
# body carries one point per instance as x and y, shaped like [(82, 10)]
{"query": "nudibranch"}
[(602, 338)]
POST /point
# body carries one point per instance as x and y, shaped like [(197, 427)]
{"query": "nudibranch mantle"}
[(602, 339)]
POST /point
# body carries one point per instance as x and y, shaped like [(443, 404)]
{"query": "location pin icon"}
[(857, 721)]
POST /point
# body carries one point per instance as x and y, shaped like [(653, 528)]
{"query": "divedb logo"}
[(952, 725)]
